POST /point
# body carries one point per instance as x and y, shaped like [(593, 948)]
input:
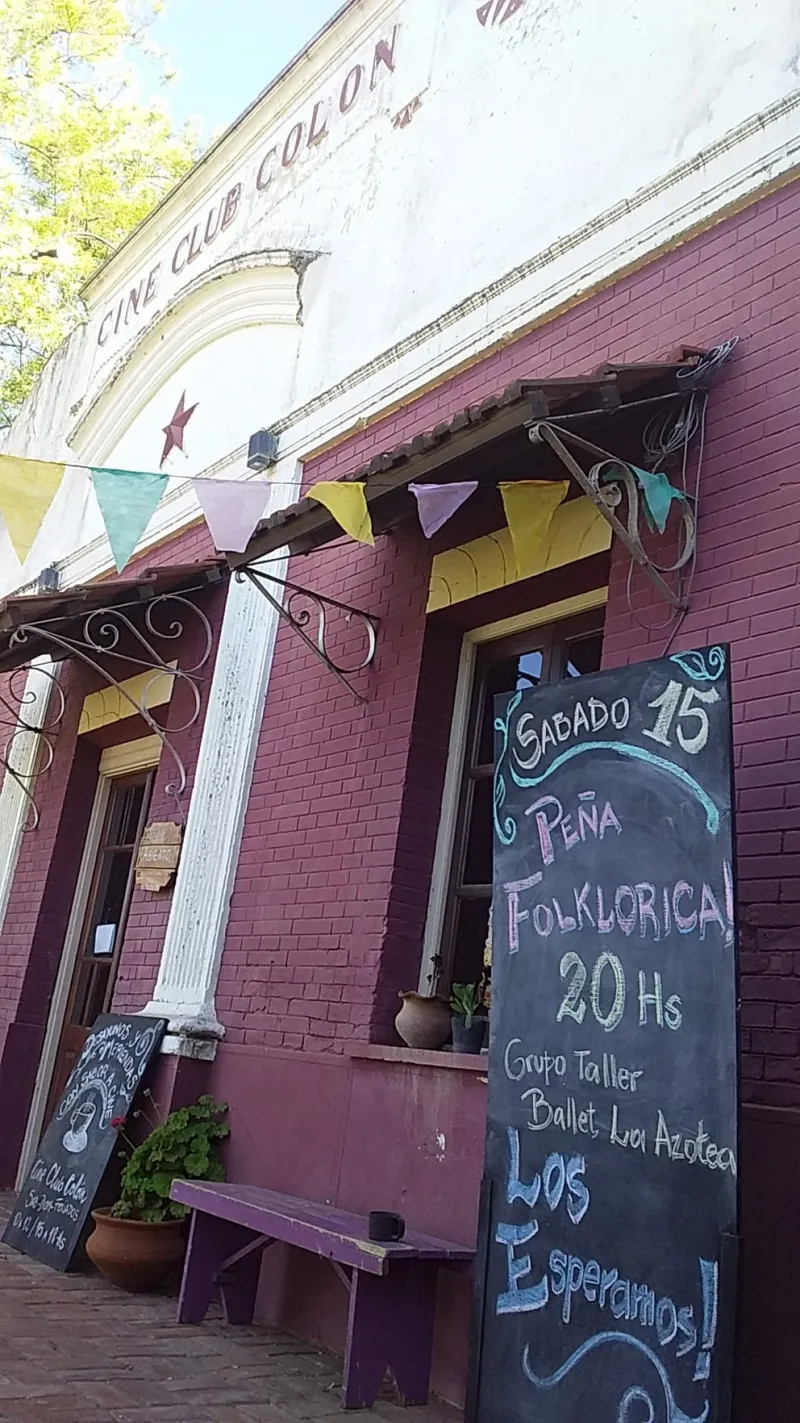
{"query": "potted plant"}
[(140, 1240), (468, 1023), (423, 1020)]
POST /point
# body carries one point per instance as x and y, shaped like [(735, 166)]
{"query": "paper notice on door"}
[(104, 936)]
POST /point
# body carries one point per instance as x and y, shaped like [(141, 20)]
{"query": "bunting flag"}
[(128, 498), (233, 509), (658, 495), (436, 503), (347, 504), (530, 505), (27, 489)]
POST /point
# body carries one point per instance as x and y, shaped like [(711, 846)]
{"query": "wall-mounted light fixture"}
[(262, 451), (48, 580)]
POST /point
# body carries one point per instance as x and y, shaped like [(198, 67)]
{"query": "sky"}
[(226, 51)]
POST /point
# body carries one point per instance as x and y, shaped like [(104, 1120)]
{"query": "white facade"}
[(429, 177)]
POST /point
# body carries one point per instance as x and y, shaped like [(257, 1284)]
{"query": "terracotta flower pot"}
[(423, 1020), (135, 1254)]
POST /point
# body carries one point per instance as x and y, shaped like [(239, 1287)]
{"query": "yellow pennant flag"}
[(348, 505), (27, 489), (530, 505)]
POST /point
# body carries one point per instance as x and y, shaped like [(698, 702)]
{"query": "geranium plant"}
[(186, 1146)]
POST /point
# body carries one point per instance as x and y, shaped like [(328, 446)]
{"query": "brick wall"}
[(327, 827), (311, 905)]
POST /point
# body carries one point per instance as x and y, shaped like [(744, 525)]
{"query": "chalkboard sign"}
[(53, 1207), (611, 1176)]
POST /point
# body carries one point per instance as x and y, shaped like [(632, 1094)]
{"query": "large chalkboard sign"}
[(54, 1204), (611, 1197)]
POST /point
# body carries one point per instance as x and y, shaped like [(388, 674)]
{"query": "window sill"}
[(420, 1057)]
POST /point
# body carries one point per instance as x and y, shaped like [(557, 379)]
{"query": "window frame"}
[(552, 639)]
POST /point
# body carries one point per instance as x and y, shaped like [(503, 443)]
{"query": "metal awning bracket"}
[(105, 639), (611, 485), (296, 612)]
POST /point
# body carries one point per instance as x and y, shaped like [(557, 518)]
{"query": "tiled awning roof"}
[(26, 618), (438, 452)]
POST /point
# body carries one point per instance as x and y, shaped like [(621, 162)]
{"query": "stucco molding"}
[(746, 163), (257, 289), (707, 186), (239, 147), (187, 979)]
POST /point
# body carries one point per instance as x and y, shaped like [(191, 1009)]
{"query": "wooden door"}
[(103, 931)]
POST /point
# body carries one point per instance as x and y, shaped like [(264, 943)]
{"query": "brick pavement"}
[(75, 1350)]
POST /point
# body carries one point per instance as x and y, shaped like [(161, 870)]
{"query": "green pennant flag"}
[(128, 499), (658, 495)]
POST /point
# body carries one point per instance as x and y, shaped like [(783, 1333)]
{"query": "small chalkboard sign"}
[(610, 1194), (53, 1207)]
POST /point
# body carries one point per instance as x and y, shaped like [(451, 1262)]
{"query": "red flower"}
[(118, 1123)]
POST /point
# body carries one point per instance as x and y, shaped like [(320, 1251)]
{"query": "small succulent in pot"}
[(468, 1022)]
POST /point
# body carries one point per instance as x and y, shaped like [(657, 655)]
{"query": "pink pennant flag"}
[(233, 509), (436, 503)]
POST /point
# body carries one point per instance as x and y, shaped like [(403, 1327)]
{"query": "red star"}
[(175, 429)]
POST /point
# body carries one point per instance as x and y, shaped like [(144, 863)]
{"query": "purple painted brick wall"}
[(325, 861)]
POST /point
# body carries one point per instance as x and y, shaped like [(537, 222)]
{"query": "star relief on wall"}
[(176, 428)]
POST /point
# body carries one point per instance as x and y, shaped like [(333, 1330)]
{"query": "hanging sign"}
[(159, 855), (53, 1208), (610, 1198)]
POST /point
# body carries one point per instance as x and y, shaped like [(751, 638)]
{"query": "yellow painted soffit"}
[(103, 708), (578, 530)]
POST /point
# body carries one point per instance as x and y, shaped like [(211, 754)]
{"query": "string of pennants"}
[(233, 509)]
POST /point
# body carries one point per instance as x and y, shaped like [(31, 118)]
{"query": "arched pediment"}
[(256, 289)]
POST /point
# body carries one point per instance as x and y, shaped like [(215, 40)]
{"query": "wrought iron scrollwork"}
[(616, 484), (612, 485), (308, 613), (28, 739), (114, 634)]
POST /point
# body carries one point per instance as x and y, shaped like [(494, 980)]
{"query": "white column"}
[(23, 755), (190, 960)]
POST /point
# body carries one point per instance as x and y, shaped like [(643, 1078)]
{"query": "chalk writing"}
[(631, 1395), (665, 1012), (606, 1072), (58, 1194), (644, 909), (612, 1150)]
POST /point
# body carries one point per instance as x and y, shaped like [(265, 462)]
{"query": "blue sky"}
[(227, 51)]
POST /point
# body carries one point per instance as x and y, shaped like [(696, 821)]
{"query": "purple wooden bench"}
[(392, 1288)]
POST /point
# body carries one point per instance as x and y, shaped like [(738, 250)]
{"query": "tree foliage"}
[(82, 161)]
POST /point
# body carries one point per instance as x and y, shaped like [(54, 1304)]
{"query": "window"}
[(112, 888), (568, 649)]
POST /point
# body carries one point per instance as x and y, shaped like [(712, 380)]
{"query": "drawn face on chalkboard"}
[(76, 1138)]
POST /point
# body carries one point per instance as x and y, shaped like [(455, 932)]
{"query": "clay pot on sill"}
[(136, 1255), (469, 1034), (423, 1020)]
